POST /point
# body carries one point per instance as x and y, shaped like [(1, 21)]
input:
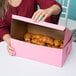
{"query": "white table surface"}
[(16, 66)]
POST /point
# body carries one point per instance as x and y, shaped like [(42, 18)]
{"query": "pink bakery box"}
[(54, 56)]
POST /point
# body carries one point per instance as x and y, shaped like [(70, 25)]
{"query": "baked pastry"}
[(57, 43), (27, 37), (35, 41), (47, 39), (43, 40)]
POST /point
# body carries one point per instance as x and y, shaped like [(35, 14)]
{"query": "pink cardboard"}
[(29, 20), (53, 56), (38, 53)]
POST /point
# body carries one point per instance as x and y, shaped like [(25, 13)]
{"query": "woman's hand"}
[(7, 39), (53, 10), (41, 13)]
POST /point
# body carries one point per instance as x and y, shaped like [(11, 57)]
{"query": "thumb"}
[(9, 46)]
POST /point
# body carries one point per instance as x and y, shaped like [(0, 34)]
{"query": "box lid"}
[(45, 24)]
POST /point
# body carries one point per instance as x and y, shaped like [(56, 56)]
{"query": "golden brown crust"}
[(46, 39), (57, 43), (27, 37), (43, 40), (35, 41), (61, 45), (36, 36)]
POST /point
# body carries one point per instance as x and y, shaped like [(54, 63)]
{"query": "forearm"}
[(55, 9), (7, 38)]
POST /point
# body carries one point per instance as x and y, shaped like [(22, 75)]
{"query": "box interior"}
[(20, 28)]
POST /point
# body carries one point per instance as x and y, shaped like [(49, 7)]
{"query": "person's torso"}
[(25, 9)]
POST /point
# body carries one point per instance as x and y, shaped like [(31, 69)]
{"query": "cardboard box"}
[(54, 56)]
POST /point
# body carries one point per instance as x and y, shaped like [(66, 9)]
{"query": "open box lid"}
[(45, 24)]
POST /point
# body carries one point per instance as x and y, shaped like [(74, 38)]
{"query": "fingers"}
[(34, 15), (44, 17), (42, 13), (38, 15), (10, 50), (41, 16), (9, 47)]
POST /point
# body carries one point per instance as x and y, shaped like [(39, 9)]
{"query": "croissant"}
[(47, 39), (57, 43), (61, 45), (43, 40), (35, 41), (27, 37), (36, 36)]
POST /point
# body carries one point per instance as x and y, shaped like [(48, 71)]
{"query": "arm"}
[(5, 25), (7, 38), (4, 35), (55, 9), (3, 29), (47, 9)]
